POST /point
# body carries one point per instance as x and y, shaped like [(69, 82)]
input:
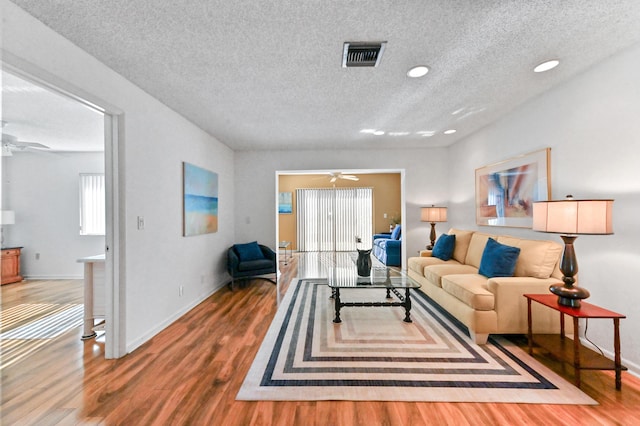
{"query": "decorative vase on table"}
[(364, 262)]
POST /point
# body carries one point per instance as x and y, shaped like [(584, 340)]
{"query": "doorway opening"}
[(387, 209), (47, 218)]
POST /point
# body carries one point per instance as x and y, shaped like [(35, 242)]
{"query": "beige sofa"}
[(491, 305)]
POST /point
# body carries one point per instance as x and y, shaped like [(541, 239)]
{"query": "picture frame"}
[(199, 200), (285, 205), (505, 191)]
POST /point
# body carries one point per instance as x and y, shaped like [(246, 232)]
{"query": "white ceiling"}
[(32, 113), (267, 74)]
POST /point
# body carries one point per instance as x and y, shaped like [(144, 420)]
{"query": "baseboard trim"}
[(632, 368), (53, 277), (136, 343)]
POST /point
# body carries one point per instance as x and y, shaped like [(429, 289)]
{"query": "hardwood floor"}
[(191, 372)]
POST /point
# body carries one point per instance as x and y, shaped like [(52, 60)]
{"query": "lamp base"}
[(569, 295), (432, 236)]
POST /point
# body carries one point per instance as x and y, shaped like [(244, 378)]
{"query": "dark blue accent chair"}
[(387, 248), (252, 268)]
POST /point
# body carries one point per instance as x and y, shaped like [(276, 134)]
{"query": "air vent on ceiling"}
[(362, 54)]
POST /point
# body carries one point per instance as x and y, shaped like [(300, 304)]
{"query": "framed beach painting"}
[(505, 191), (285, 205), (200, 200)]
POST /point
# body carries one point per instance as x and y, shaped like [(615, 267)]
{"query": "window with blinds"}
[(92, 204), (334, 219)]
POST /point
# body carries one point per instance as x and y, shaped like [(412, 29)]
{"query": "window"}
[(338, 219), (92, 204)]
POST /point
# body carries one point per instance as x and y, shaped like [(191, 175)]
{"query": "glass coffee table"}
[(391, 280)]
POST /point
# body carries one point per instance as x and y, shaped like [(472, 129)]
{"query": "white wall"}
[(255, 176), (592, 125), (42, 189), (156, 141)]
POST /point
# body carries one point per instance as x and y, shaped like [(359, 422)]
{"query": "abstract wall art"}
[(506, 190)]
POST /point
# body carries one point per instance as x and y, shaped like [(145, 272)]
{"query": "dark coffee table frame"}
[(405, 301)]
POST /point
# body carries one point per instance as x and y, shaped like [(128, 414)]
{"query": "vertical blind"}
[(336, 219), (92, 204)]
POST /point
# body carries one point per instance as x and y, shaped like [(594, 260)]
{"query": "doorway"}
[(108, 133), (388, 199)]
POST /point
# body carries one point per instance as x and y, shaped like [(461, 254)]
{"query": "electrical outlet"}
[(385, 215), (140, 223), (37, 256), (181, 291)]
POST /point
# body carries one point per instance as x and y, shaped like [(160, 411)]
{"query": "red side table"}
[(572, 351)]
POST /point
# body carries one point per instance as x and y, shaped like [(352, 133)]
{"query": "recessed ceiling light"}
[(378, 132), (418, 71), (546, 66), (449, 132), (426, 133), (368, 131), (398, 133)]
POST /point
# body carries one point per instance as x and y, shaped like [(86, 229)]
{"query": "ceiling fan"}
[(334, 176), (11, 143)]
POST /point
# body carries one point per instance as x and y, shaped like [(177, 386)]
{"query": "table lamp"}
[(433, 214), (570, 218)]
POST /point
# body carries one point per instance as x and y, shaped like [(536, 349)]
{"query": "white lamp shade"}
[(573, 216), (433, 214), (8, 217)]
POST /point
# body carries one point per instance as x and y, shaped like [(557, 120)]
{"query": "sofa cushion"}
[(476, 248), (443, 249), (417, 264), (498, 260), (396, 233), (255, 265), (471, 289), (248, 251), (434, 273), (537, 258), (462, 243)]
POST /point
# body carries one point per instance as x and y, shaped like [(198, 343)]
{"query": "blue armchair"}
[(251, 260), (387, 248)]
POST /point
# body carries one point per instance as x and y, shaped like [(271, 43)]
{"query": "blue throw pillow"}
[(498, 260), (249, 251), (443, 249), (397, 232)]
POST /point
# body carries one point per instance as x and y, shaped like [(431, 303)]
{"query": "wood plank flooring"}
[(190, 373)]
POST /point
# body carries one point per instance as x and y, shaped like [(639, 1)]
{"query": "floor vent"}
[(362, 54)]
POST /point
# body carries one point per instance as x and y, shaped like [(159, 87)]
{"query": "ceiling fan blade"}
[(350, 177), (31, 145)]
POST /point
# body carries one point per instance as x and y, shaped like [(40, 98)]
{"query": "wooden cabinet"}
[(11, 265)]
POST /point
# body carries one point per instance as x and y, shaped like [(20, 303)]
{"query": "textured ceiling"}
[(31, 113), (268, 75)]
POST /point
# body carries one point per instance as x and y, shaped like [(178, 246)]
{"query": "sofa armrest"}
[(385, 235), (393, 244), (267, 252), (232, 261), (511, 305), (520, 285), (426, 253)]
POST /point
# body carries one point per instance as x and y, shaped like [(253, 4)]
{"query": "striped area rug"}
[(25, 328), (374, 356)]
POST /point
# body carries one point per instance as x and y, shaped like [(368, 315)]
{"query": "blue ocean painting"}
[(200, 200), (284, 202)]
